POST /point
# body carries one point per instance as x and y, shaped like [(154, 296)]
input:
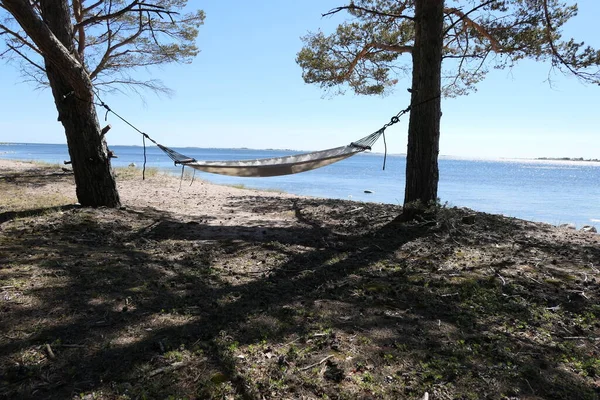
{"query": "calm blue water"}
[(553, 192)]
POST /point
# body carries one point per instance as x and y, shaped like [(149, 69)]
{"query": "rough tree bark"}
[(424, 125), (73, 95)]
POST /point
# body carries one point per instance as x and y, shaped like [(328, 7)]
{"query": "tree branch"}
[(393, 47), (466, 14), (353, 7), (49, 45), (19, 38), (549, 30), (78, 13), (142, 7), (153, 34), (90, 8), (373, 45), (26, 58), (480, 29), (132, 84), (361, 54), (110, 49), (114, 36)]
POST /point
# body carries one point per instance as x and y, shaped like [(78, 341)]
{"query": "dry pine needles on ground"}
[(220, 292)]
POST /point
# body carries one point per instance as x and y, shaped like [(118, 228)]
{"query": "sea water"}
[(555, 192)]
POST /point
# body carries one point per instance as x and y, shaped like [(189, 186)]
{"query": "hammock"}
[(271, 166), (276, 166)]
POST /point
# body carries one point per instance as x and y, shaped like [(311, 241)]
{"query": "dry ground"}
[(215, 292)]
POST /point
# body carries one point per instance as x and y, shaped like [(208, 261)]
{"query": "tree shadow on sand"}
[(339, 302)]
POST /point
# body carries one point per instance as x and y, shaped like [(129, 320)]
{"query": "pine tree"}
[(453, 45), (76, 49)]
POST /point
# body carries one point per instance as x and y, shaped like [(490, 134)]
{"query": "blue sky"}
[(245, 90)]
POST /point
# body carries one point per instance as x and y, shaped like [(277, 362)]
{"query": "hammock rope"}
[(269, 166)]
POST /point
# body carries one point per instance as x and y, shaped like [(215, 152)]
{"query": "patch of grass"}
[(17, 199), (44, 165), (127, 173), (244, 187), (174, 356), (238, 186), (28, 191)]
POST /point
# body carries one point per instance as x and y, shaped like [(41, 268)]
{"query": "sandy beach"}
[(204, 291), (182, 198)]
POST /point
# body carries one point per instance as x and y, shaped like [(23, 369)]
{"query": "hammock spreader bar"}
[(276, 166)]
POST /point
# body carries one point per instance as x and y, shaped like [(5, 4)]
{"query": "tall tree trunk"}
[(94, 178), (73, 95), (422, 173)]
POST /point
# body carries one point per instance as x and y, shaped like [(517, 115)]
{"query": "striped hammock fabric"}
[(276, 166)]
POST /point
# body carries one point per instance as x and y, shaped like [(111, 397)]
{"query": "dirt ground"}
[(214, 292)]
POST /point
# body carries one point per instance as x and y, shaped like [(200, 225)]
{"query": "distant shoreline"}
[(568, 159), (376, 153)]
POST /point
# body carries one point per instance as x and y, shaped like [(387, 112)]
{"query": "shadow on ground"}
[(341, 303)]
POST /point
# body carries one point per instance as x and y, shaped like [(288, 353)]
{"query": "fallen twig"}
[(454, 240), (535, 280), (530, 388), (498, 275), (50, 352), (168, 368), (7, 287), (579, 292), (449, 294), (293, 341), (502, 279), (317, 363)]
